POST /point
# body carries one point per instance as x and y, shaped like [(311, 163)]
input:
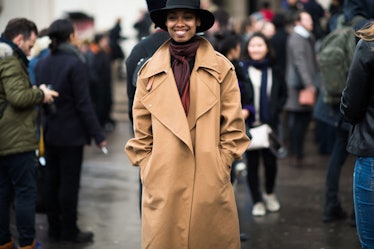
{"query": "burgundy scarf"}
[(183, 54)]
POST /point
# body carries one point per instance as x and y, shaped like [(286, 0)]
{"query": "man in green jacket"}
[(18, 132)]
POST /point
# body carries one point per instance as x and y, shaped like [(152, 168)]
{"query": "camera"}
[(50, 108)]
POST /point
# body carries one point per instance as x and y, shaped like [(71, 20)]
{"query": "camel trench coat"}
[(185, 161)]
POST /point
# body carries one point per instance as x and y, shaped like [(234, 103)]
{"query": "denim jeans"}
[(363, 191), (18, 183)]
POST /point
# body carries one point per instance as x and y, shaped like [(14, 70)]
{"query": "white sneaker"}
[(259, 209), (271, 202)]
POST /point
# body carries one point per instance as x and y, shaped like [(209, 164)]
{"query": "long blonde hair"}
[(366, 32)]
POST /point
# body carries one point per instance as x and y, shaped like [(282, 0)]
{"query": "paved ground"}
[(109, 201)]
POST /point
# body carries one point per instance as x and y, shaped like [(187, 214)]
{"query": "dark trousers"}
[(338, 156), (298, 123), (325, 137), (102, 99), (253, 163), (63, 172), (18, 183)]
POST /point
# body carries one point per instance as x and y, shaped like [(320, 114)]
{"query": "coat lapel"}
[(163, 100), (204, 85), (203, 98), (164, 103)]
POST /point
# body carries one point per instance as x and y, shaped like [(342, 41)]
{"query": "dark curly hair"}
[(20, 26)]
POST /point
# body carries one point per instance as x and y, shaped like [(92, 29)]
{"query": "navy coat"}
[(75, 121)]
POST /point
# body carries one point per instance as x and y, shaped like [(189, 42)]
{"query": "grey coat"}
[(300, 57)]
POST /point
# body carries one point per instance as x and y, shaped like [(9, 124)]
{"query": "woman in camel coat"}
[(185, 146)]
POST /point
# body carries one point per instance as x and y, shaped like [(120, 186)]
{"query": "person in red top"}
[(266, 11)]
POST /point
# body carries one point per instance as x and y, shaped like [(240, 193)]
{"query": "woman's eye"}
[(171, 18), (190, 17)]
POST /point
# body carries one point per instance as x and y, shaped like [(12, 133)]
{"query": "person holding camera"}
[(18, 99)]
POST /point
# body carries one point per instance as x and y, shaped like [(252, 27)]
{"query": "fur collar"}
[(5, 50), (15, 49)]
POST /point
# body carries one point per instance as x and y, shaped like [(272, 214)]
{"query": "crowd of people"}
[(54, 121), (200, 103), (275, 56)]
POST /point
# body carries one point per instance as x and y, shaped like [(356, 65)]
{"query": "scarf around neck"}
[(182, 55), (264, 102), (70, 49)]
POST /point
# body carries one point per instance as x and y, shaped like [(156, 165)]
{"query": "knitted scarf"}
[(182, 55), (264, 102)]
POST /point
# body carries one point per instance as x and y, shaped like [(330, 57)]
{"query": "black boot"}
[(334, 213)]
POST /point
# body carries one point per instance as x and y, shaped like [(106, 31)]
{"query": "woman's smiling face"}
[(257, 48), (182, 24)]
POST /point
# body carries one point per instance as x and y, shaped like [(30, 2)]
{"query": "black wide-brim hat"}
[(158, 16)]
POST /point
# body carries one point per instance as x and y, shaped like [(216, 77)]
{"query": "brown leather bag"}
[(307, 97)]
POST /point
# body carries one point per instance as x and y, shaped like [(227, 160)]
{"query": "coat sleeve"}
[(83, 104), (356, 95), (139, 147), (17, 85), (136, 54), (302, 59), (282, 90), (233, 139)]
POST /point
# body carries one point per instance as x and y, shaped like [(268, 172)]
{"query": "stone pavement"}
[(108, 203)]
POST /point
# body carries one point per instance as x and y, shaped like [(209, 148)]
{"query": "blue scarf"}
[(264, 102)]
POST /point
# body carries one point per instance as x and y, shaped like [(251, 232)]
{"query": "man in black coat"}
[(141, 52)]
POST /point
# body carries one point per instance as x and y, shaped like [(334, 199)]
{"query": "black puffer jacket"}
[(357, 104)]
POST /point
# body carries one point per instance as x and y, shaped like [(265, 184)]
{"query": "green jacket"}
[(18, 121)]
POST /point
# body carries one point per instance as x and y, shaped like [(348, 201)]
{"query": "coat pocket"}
[(144, 168), (223, 169)]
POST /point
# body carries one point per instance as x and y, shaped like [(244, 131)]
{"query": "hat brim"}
[(206, 17)]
